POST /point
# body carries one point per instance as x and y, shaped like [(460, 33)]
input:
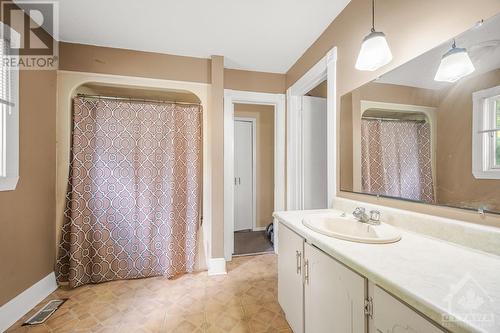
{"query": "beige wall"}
[(27, 214), (254, 81), (216, 126), (346, 143), (456, 184), (321, 90), (264, 116), (411, 30), (106, 60)]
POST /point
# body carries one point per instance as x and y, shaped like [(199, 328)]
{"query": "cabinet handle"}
[(306, 271), (298, 258)]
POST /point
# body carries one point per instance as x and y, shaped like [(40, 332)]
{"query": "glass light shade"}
[(455, 64), (374, 53)]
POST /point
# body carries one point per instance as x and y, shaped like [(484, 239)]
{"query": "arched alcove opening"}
[(70, 84)]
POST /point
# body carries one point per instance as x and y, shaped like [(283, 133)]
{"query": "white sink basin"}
[(348, 228)]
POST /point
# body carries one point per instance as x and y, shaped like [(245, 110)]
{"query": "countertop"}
[(430, 275)]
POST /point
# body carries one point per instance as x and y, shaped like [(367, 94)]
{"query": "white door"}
[(314, 153), (290, 287), (243, 175), (333, 295)]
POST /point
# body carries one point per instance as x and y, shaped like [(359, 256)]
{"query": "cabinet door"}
[(334, 295), (290, 286), (392, 316)]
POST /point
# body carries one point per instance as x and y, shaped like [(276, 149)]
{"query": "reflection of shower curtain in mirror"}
[(134, 193), (396, 159)]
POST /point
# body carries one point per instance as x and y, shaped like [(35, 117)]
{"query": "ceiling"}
[(482, 42), (260, 35)]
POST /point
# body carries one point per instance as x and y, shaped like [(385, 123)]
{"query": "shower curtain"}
[(396, 159), (133, 201)]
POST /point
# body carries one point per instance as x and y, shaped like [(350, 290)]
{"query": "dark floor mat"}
[(247, 242)]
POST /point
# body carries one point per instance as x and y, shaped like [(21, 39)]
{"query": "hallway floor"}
[(251, 242), (244, 300)]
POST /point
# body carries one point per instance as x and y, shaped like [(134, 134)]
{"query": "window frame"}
[(483, 129), (9, 131)]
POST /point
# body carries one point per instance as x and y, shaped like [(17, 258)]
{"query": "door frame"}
[(253, 121), (249, 97), (325, 69)]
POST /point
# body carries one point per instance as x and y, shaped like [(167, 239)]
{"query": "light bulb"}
[(374, 53), (455, 64)]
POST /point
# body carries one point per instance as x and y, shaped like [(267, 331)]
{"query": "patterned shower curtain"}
[(133, 202), (396, 159)]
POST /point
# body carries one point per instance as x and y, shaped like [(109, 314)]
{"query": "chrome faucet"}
[(360, 215), (374, 217)]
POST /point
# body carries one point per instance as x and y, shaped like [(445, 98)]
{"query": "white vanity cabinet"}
[(321, 295), (334, 295), (317, 293), (290, 283), (392, 316)]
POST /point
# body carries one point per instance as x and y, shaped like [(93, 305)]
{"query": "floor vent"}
[(44, 313)]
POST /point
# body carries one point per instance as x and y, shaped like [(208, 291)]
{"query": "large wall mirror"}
[(429, 131)]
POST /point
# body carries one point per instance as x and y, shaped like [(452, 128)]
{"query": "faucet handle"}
[(375, 216), (358, 210)]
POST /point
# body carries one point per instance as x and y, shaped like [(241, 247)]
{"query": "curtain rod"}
[(134, 99), (393, 119)]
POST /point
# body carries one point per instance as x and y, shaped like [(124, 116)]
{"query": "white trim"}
[(248, 97), (481, 148), (259, 228), (20, 305), (8, 183), (217, 266), (254, 167), (332, 121), (275, 230), (325, 69)]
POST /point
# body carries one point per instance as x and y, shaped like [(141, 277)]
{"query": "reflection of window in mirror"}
[(464, 122), (396, 151), (486, 133)]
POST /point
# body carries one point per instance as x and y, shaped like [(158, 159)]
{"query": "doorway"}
[(232, 98), (321, 78), (253, 178)]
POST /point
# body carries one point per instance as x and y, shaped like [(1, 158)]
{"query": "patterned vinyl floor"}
[(244, 300)]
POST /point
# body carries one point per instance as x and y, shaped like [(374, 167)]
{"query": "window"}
[(9, 119), (497, 135), (486, 134)]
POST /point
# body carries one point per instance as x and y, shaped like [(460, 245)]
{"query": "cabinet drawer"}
[(392, 316)]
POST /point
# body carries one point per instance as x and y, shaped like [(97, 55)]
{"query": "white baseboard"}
[(20, 305), (259, 228), (217, 266)]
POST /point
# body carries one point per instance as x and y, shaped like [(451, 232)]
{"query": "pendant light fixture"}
[(455, 64), (375, 51)]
